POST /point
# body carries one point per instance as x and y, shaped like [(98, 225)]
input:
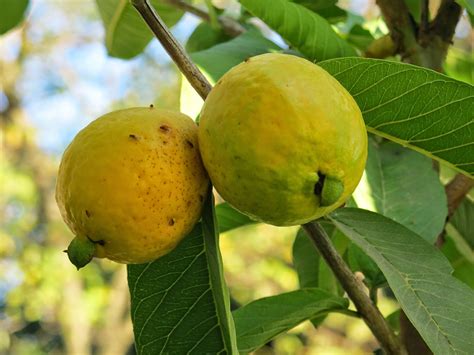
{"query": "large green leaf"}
[(126, 33), (416, 107), (308, 32), (180, 303), (324, 8), (217, 60), (12, 13), (440, 307), (402, 185), (258, 322)]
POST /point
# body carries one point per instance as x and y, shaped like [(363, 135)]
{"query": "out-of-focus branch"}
[(401, 25), (355, 289), (444, 24), (456, 190), (230, 26)]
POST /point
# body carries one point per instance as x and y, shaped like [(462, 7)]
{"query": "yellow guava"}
[(131, 185), (282, 140)]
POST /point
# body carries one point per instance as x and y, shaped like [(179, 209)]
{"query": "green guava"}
[(282, 140)]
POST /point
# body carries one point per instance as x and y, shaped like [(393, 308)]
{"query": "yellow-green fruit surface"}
[(133, 182), (271, 129)]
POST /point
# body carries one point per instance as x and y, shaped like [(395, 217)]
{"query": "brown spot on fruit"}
[(171, 222), (189, 143), (88, 214), (151, 106), (165, 128), (133, 137)]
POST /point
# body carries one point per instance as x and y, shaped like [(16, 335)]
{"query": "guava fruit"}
[(131, 185), (282, 140)]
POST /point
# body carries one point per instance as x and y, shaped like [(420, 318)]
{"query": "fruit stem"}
[(81, 251)]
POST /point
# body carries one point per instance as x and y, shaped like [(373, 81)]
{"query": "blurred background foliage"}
[(55, 77)]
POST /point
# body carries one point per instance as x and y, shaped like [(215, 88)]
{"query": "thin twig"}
[(355, 289), (230, 26), (174, 49), (425, 15)]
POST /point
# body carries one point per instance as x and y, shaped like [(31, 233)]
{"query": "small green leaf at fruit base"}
[(81, 251), (332, 190)]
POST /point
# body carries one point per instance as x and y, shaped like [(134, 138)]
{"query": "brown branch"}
[(456, 190), (230, 26), (197, 80), (401, 25), (425, 15), (444, 24), (355, 289)]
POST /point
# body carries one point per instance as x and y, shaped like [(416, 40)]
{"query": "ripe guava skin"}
[(271, 128), (133, 184)]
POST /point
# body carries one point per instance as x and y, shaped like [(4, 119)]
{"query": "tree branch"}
[(355, 289), (401, 26), (231, 27), (444, 24), (425, 15), (456, 190), (174, 49)]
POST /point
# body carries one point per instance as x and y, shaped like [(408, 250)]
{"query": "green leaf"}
[(229, 218), (414, 6), (312, 270), (180, 303), (440, 307), (126, 33), (360, 261), (260, 321), (360, 37), (217, 60), (463, 265), (416, 107), (306, 260), (308, 32), (324, 8), (12, 14), (205, 36), (315, 5), (463, 221), (402, 185), (468, 5)]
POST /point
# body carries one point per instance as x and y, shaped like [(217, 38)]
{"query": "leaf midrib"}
[(113, 24)]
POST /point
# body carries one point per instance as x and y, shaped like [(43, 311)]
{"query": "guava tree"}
[(402, 229)]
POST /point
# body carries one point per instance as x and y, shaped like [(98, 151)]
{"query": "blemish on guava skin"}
[(189, 143), (201, 198), (171, 221), (318, 187), (165, 128), (100, 242), (133, 137), (151, 106), (88, 214)]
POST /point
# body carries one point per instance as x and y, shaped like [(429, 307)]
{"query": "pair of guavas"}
[(281, 140)]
